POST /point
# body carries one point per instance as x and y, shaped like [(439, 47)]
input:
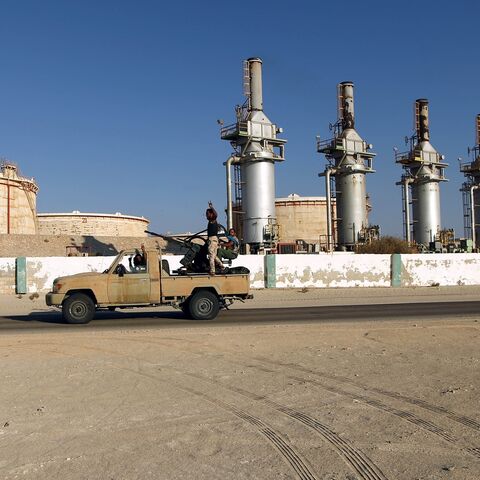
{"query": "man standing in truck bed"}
[(212, 233)]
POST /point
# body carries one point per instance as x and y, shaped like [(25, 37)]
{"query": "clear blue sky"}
[(112, 105)]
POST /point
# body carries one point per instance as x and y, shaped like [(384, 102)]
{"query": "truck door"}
[(129, 284)]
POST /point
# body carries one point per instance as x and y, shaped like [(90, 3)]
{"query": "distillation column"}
[(349, 160), (471, 190), (256, 149), (424, 171)]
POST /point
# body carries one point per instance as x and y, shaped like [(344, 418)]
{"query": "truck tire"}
[(78, 308), (203, 305)]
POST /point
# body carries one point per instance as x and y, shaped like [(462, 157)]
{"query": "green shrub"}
[(387, 245)]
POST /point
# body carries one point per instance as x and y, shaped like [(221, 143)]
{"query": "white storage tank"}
[(18, 201), (302, 218), (92, 224)]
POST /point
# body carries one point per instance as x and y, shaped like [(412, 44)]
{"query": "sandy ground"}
[(346, 401)]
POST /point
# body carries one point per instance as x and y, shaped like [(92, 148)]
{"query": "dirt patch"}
[(368, 400)]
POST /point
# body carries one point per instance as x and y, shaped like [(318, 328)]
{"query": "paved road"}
[(168, 319)]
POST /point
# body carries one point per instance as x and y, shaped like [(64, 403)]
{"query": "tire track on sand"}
[(293, 459), (356, 459)]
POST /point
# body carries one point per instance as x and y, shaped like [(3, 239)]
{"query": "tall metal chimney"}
[(349, 160), (256, 149), (423, 172), (471, 190)]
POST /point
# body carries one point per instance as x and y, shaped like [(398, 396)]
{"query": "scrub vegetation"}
[(387, 245)]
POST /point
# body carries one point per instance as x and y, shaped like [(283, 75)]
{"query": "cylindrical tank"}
[(351, 197), (92, 224), (257, 149), (257, 166), (351, 193), (302, 218), (425, 187), (258, 198), (18, 202), (426, 211)]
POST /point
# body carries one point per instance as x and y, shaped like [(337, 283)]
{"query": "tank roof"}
[(294, 197), (77, 213)]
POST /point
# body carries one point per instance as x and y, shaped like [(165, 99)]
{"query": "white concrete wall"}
[(255, 263), (42, 271), (292, 271), (442, 269), (7, 275), (333, 270)]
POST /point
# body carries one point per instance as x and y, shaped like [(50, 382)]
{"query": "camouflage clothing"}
[(212, 254)]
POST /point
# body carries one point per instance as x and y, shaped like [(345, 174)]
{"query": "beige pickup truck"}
[(124, 285)]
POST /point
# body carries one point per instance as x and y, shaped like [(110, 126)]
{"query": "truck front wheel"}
[(203, 305), (78, 308)]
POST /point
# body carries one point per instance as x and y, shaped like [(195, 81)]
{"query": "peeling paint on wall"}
[(7, 275), (292, 271), (42, 271), (333, 270), (441, 269)]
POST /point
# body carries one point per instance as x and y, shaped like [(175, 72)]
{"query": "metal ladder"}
[(467, 211), (477, 131), (416, 117), (404, 213), (333, 213), (339, 103), (246, 81), (237, 180)]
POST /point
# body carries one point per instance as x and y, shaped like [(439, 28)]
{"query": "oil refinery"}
[(256, 150), (424, 170), (470, 190), (338, 221), (349, 160)]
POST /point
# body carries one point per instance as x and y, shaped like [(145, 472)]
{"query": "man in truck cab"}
[(138, 263)]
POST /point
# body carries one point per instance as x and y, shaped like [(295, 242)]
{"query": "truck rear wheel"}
[(203, 305), (78, 308)]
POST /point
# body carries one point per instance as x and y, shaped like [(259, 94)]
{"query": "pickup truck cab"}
[(125, 285)]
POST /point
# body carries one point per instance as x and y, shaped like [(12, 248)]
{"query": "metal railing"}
[(239, 128), (345, 144)]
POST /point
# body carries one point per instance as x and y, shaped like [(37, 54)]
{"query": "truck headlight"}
[(56, 286)]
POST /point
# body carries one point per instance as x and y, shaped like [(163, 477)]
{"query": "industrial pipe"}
[(347, 112), (256, 96), (228, 164), (8, 206), (328, 172), (406, 182), (423, 131)]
